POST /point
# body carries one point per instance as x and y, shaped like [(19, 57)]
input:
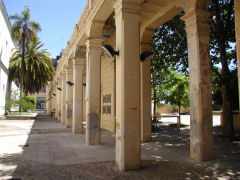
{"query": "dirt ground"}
[(166, 157)]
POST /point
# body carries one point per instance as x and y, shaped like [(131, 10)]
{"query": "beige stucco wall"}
[(107, 88), (108, 120), (40, 94), (84, 101)]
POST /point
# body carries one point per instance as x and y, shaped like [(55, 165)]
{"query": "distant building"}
[(40, 97), (6, 45), (56, 60)]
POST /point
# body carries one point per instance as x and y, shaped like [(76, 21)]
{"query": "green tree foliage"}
[(170, 46), (216, 89), (30, 103), (27, 103), (38, 65), (169, 59), (170, 52), (30, 65), (23, 31), (176, 89), (222, 34), (172, 88)]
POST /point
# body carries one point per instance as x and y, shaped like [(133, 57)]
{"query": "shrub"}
[(27, 103)]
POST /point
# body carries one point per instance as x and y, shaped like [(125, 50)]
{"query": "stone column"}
[(59, 90), (56, 99), (63, 98), (78, 66), (50, 103), (128, 147), (47, 99), (47, 105), (54, 103), (145, 85), (69, 96), (237, 31), (201, 132), (93, 106)]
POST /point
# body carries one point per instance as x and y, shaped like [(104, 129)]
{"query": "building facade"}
[(6, 45), (40, 99), (101, 81)]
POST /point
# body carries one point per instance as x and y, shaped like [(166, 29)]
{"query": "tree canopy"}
[(23, 29), (30, 66), (38, 65), (170, 52)]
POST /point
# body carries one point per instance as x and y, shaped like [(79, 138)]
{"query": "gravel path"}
[(166, 157)]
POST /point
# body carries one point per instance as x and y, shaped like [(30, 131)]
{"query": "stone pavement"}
[(45, 141)]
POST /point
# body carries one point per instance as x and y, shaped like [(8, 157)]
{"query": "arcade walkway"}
[(45, 149)]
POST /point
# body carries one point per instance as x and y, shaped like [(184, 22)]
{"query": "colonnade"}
[(133, 31)]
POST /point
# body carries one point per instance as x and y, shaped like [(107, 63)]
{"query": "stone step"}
[(30, 116)]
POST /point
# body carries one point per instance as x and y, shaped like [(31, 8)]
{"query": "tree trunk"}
[(227, 104), (154, 102), (179, 110), (155, 107), (179, 117), (22, 65), (8, 96), (225, 77), (226, 94)]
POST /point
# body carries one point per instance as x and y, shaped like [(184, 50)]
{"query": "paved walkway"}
[(47, 142), (185, 119)]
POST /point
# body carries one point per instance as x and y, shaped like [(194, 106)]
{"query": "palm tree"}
[(38, 65), (23, 31)]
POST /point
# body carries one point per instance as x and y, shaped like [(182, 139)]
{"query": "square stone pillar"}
[(59, 90), (55, 101), (128, 147), (47, 106), (78, 66), (69, 96), (63, 98), (50, 103), (237, 31), (145, 85), (47, 99), (201, 132), (93, 106)]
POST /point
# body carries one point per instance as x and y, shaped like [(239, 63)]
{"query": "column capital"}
[(199, 17), (69, 70), (79, 61), (94, 44), (146, 35), (145, 47), (59, 80), (80, 52), (63, 72), (124, 9)]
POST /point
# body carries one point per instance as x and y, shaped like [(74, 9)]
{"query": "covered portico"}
[(128, 26)]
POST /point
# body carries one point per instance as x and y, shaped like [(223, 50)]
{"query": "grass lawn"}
[(21, 113)]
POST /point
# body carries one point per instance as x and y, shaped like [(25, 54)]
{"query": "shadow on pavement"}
[(53, 152)]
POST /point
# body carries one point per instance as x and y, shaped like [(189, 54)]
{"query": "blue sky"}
[(56, 17)]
